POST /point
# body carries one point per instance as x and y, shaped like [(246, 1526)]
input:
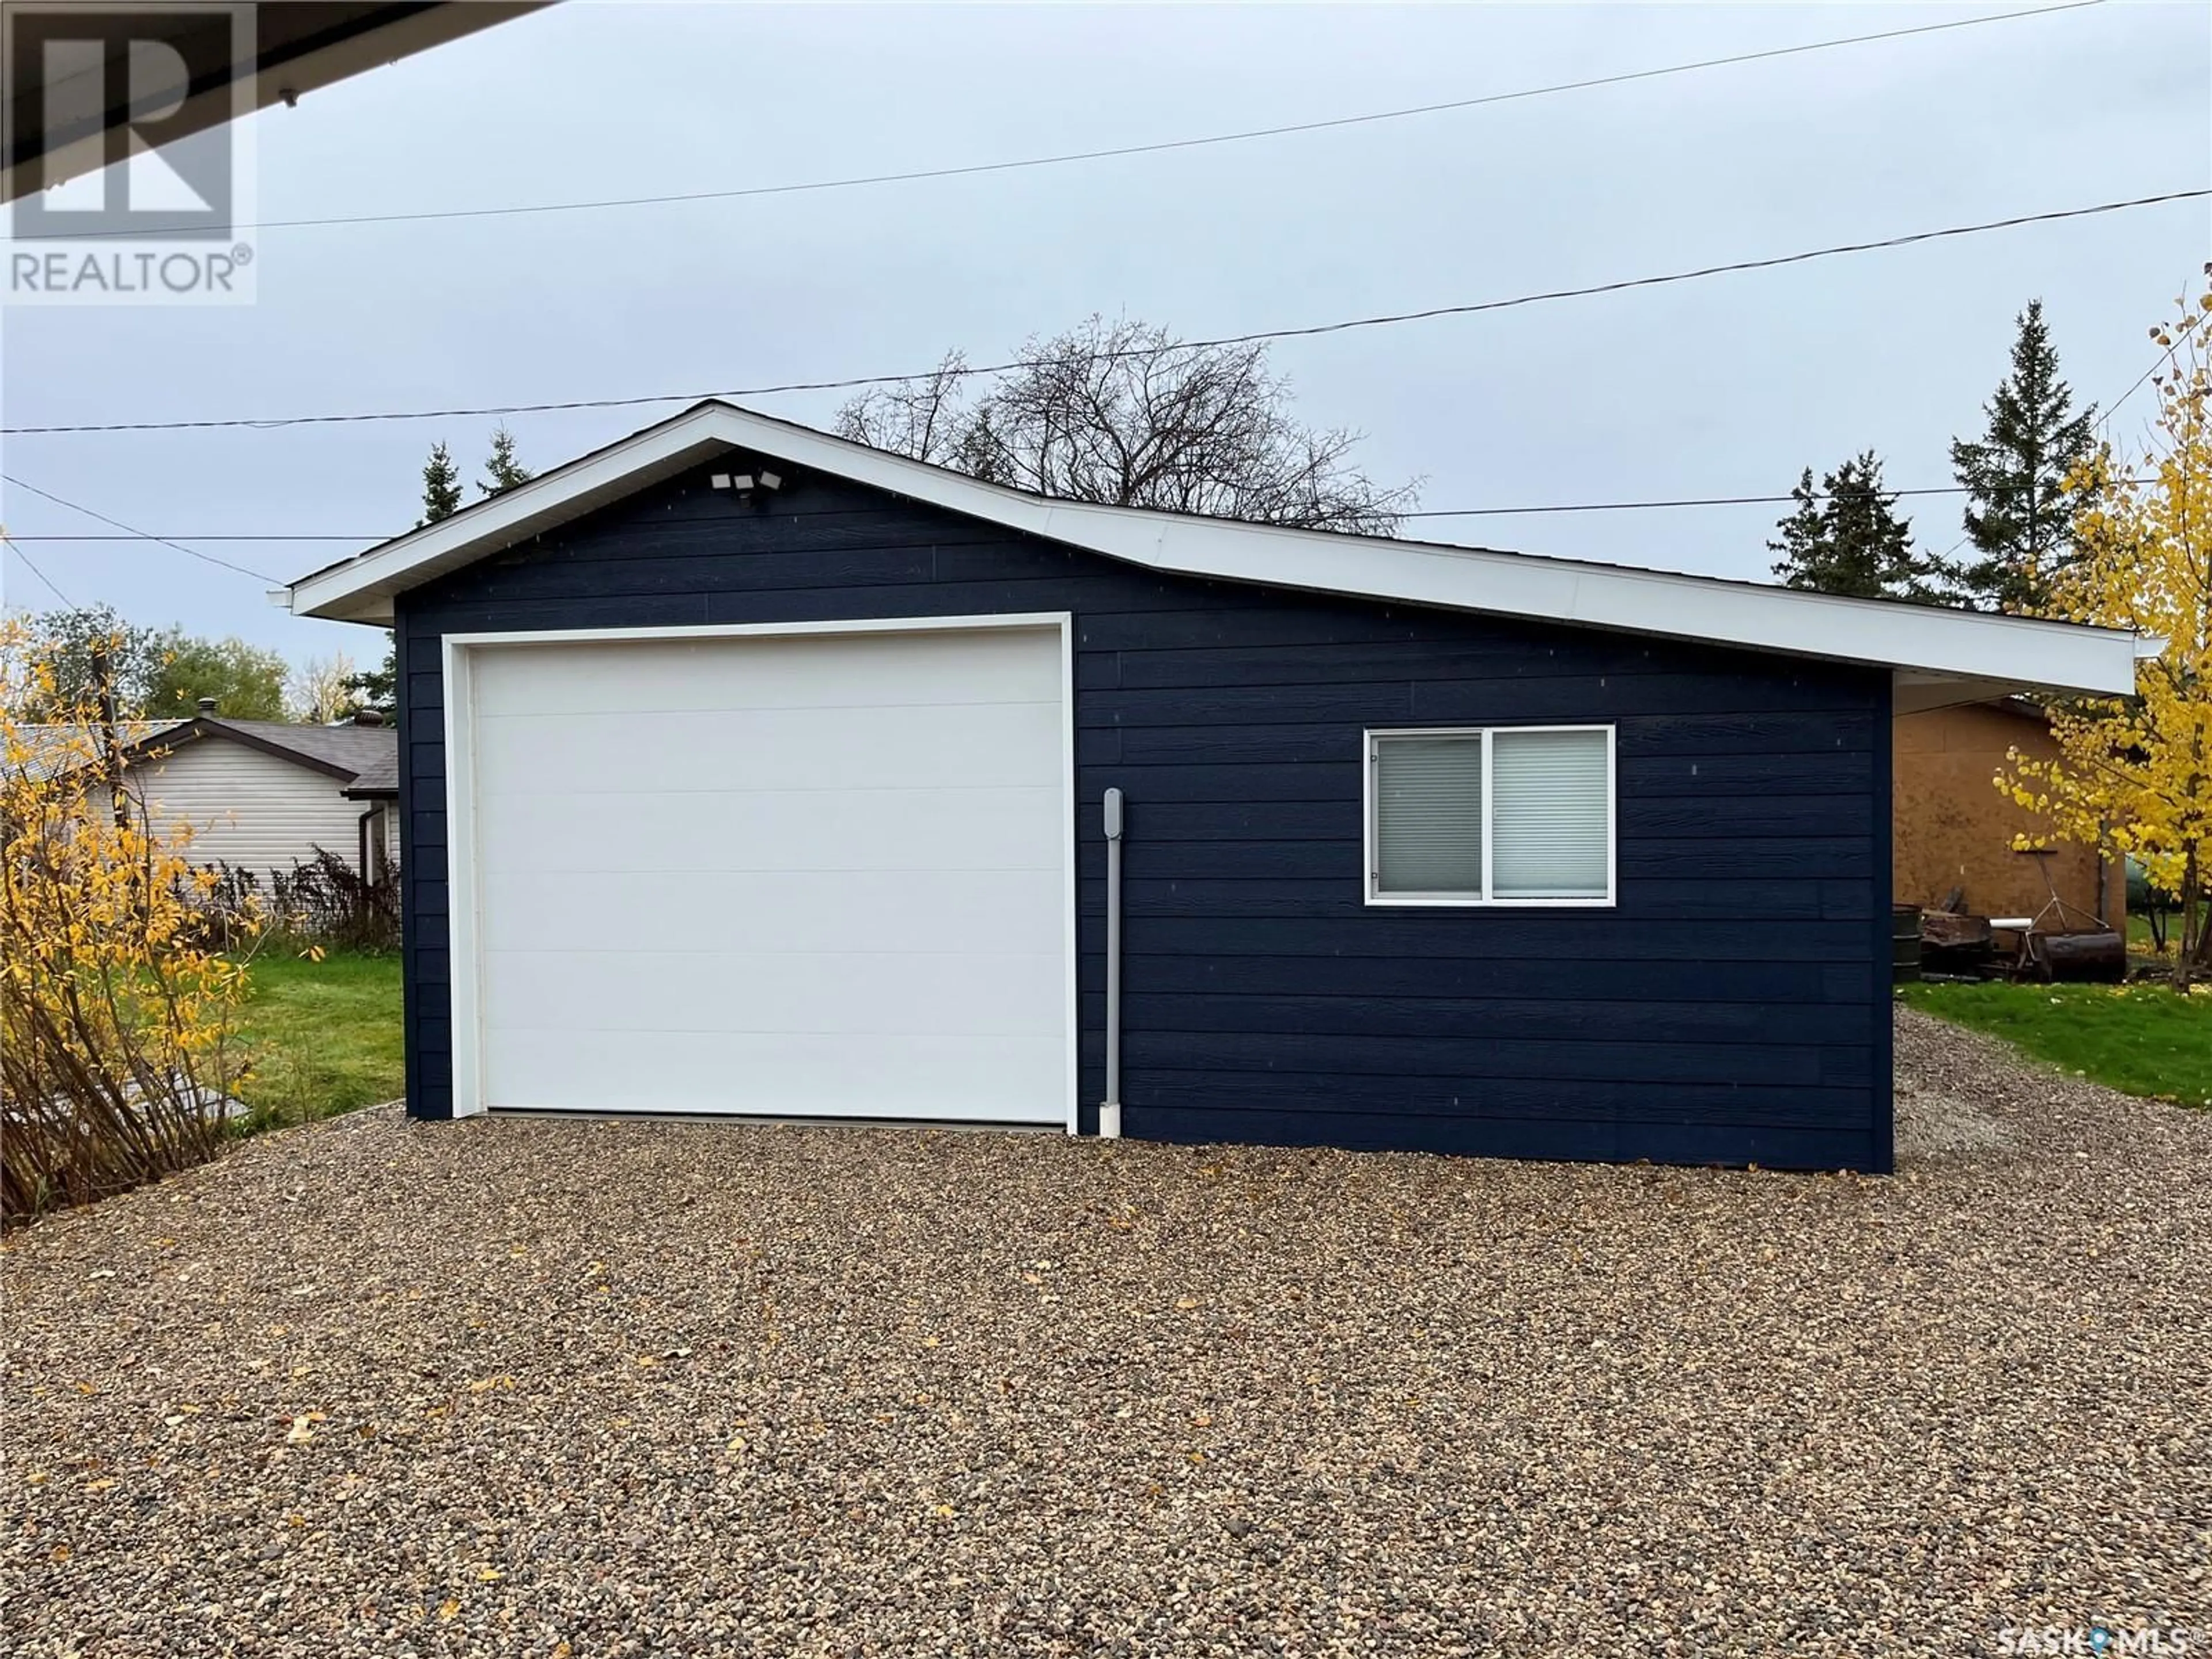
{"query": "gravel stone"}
[(569, 1388)]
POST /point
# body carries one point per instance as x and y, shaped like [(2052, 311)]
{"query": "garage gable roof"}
[(1941, 655)]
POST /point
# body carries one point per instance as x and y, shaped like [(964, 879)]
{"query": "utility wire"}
[(2105, 418), (143, 535), (9, 542), (857, 381), (1426, 513), (1160, 147), (1699, 500)]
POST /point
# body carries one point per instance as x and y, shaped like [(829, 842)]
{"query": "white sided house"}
[(265, 795)]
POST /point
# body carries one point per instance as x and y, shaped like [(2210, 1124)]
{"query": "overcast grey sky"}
[(1720, 387)]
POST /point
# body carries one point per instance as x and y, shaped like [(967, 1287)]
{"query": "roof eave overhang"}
[(297, 49), (1939, 652)]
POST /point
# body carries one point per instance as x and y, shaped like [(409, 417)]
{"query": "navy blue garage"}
[(747, 771)]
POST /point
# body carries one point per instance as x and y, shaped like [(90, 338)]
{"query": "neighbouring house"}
[(746, 771), (1955, 833), (264, 795)]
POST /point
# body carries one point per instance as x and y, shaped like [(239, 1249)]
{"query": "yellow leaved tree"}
[(2134, 775), (117, 1061)]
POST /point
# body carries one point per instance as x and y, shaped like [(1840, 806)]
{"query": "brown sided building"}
[(1954, 830)]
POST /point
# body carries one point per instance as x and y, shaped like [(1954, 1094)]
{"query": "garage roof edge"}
[(1935, 645)]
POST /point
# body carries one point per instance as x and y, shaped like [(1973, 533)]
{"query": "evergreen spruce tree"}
[(1803, 543), (378, 688), (2019, 522), (441, 486), (503, 470), (1848, 537)]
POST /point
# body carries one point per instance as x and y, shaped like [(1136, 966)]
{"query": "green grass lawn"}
[(2142, 1039), (324, 1036)]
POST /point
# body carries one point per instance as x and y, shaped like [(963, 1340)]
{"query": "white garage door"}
[(787, 875)]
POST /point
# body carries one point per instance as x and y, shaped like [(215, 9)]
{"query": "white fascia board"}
[(361, 589), (2014, 651)]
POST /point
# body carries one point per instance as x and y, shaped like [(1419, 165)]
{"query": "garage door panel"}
[(844, 992), (808, 877), (967, 1079), (988, 745), (1016, 827), (775, 912), (658, 678)]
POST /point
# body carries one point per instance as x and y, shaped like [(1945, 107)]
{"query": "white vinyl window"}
[(1490, 814)]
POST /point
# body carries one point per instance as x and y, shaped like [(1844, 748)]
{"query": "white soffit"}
[(2007, 651)]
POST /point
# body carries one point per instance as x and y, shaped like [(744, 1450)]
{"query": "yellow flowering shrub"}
[(117, 1063), (2134, 775)]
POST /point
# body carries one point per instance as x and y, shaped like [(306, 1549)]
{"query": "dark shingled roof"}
[(380, 779), (358, 749), (363, 759)]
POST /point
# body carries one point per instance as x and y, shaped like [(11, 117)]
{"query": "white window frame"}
[(1370, 806)]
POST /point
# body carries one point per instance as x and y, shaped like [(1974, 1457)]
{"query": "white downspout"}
[(1110, 1110)]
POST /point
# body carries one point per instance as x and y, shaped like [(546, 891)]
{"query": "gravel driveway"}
[(569, 1388)]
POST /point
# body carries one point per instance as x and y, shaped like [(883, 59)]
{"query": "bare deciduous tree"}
[(1122, 412)]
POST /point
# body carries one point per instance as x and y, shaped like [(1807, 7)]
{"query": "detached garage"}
[(748, 772)]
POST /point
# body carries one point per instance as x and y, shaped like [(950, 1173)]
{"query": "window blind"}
[(1550, 819), (1428, 829)]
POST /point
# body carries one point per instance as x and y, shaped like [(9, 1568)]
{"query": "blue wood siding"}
[(1733, 1007)]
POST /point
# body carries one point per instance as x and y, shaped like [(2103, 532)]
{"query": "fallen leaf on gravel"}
[(97, 1486), (101, 1273), (1186, 1301), (448, 1608), (648, 1359), (60, 1553), (300, 1433), (489, 1575)]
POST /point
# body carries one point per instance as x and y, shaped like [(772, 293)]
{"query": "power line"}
[(1425, 513), (140, 536), (143, 535), (9, 542), (1156, 148), (858, 382), (2105, 419), (1706, 500)]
